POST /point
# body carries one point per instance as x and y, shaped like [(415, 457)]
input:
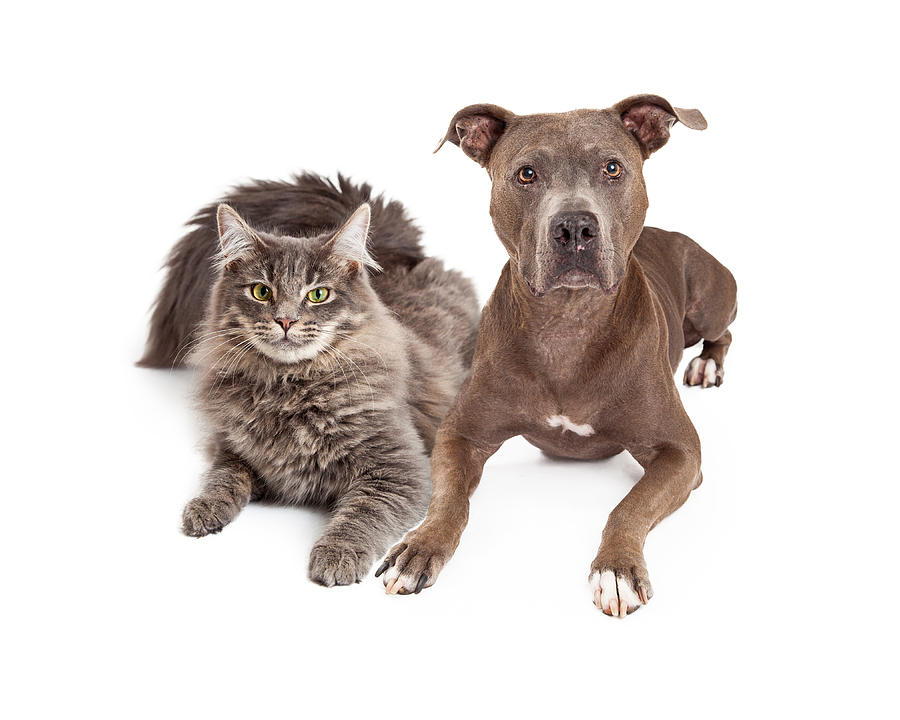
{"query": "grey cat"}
[(323, 376)]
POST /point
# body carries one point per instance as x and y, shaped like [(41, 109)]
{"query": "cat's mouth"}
[(292, 340), (291, 349)]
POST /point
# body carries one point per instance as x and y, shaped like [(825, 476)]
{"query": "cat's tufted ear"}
[(349, 242), (236, 237), (476, 129), (649, 118)]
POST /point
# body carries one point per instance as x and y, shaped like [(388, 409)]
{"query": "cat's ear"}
[(349, 243), (236, 237)]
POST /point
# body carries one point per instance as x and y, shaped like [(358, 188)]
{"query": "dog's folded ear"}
[(649, 118), (476, 129)]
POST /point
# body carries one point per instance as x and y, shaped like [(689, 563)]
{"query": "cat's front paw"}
[(338, 564), (205, 516)]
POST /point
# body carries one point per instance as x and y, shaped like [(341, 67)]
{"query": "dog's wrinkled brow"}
[(603, 151), (532, 153)]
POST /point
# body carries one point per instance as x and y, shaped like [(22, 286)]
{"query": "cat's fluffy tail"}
[(305, 205)]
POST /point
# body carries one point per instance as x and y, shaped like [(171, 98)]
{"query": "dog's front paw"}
[(332, 563), (205, 516), (620, 583), (414, 563), (704, 372)]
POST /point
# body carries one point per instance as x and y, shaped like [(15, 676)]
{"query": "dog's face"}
[(568, 199)]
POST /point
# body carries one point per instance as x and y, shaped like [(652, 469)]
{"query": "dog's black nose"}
[(574, 230)]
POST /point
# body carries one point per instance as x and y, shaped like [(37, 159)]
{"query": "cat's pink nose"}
[(285, 323)]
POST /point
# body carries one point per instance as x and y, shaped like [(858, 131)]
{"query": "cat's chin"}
[(291, 352)]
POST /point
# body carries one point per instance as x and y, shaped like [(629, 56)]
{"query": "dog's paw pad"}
[(704, 372), (615, 594)]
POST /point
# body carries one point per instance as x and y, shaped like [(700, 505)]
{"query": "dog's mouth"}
[(577, 276), (573, 276)]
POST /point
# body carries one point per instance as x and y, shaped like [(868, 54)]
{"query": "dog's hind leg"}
[(708, 368), (711, 308)]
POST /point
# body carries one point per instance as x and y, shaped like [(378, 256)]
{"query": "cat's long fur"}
[(349, 428), (304, 205)]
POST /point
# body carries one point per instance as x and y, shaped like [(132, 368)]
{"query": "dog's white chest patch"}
[(561, 421)]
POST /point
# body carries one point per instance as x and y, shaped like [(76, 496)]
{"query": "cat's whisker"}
[(337, 354), (227, 334), (228, 359), (184, 349), (237, 352), (237, 361), (366, 377), (211, 351), (345, 336), (244, 338), (330, 350), (333, 371)]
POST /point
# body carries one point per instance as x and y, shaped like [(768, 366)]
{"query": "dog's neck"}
[(569, 311), (573, 324)]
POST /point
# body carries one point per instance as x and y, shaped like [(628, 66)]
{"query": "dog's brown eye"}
[(613, 169), (527, 175)]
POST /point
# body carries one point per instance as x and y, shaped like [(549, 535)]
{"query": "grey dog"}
[(578, 343)]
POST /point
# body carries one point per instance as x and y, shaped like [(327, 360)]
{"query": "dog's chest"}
[(572, 429), (572, 413), (563, 436), (566, 424)]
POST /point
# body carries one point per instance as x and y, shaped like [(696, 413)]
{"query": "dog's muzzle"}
[(577, 252)]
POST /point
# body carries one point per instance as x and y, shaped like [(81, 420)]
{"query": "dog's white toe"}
[(390, 580), (709, 373), (396, 582), (704, 372), (614, 594)]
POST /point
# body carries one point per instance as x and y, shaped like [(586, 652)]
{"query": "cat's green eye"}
[(261, 292), (317, 295)]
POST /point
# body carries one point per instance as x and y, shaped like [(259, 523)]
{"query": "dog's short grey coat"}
[(579, 340)]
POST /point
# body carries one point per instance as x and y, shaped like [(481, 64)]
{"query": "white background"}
[(775, 584)]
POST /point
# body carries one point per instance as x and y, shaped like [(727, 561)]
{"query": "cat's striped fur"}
[(349, 427)]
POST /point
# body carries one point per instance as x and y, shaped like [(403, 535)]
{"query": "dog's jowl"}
[(579, 341)]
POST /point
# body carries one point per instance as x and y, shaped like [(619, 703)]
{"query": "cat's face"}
[(291, 298)]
